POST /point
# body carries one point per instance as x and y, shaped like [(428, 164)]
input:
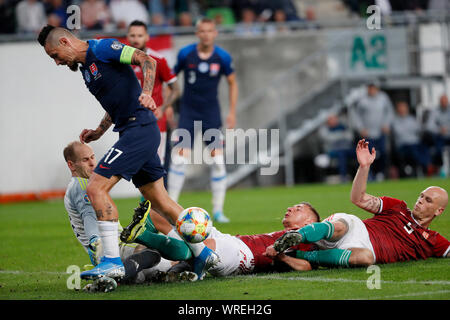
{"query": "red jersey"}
[(163, 74), (396, 236), (259, 242)]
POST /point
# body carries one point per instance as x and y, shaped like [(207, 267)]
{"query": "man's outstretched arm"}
[(88, 135), (358, 194)]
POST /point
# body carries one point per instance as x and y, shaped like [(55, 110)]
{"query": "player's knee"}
[(210, 243), (218, 168), (340, 229), (361, 258), (178, 162)]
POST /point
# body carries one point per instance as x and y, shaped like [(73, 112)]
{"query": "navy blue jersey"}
[(201, 80), (113, 82)]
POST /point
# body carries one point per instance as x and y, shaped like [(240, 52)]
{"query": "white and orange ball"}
[(194, 224)]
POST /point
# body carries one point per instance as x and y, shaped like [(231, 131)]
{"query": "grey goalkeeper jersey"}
[(81, 213), (83, 218)]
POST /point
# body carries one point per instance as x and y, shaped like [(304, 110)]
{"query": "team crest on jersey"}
[(203, 67), (214, 69), (94, 70), (425, 235), (116, 45)]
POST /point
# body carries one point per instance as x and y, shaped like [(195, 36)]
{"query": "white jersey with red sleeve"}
[(397, 236), (163, 75)]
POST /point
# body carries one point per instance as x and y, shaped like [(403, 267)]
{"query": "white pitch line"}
[(269, 277), (30, 272), (322, 279), (414, 294)]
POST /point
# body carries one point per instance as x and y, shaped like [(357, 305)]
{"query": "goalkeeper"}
[(81, 161)]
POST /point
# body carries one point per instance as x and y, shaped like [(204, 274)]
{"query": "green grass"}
[(37, 246)]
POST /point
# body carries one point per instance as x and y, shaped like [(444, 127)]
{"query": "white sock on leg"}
[(176, 176), (218, 183), (109, 232)]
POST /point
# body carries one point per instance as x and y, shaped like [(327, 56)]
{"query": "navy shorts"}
[(184, 136), (134, 156)]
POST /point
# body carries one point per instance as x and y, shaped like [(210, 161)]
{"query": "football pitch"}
[(38, 246)]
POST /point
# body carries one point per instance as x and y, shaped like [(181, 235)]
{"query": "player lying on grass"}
[(238, 254), (81, 161), (394, 234)]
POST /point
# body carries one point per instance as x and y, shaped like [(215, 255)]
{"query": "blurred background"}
[(323, 72)]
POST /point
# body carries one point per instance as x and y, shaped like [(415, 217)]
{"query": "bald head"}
[(440, 195), (70, 151), (80, 159), (431, 203)]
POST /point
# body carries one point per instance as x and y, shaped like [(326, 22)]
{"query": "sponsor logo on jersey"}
[(116, 45), (104, 167), (214, 69), (203, 67)]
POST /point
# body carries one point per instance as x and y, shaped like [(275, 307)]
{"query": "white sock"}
[(196, 248), (176, 176), (174, 234), (110, 238), (218, 183)]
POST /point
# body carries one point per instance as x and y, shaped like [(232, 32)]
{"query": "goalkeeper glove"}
[(95, 249)]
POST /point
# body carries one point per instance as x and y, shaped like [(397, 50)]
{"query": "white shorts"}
[(235, 256), (357, 235)]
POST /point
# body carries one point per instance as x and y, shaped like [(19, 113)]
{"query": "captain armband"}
[(127, 54)]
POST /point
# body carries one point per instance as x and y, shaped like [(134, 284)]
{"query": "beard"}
[(138, 46), (73, 67)]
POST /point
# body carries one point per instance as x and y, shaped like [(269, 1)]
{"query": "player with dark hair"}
[(394, 234), (104, 65), (203, 64)]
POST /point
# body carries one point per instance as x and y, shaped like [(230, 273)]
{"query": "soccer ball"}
[(194, 224)]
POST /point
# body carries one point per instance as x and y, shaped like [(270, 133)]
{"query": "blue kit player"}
[(105, 68), (203, 64)]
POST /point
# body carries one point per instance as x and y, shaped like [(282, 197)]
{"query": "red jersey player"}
[(246, 254), (394, 234), (238, 254), (137, 37)]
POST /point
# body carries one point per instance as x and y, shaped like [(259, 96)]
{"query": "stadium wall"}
[(43, 107)]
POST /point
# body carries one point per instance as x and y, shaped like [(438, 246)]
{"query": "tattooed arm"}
[(148, 66), (88, 135), (174, 94), (358, 194)]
